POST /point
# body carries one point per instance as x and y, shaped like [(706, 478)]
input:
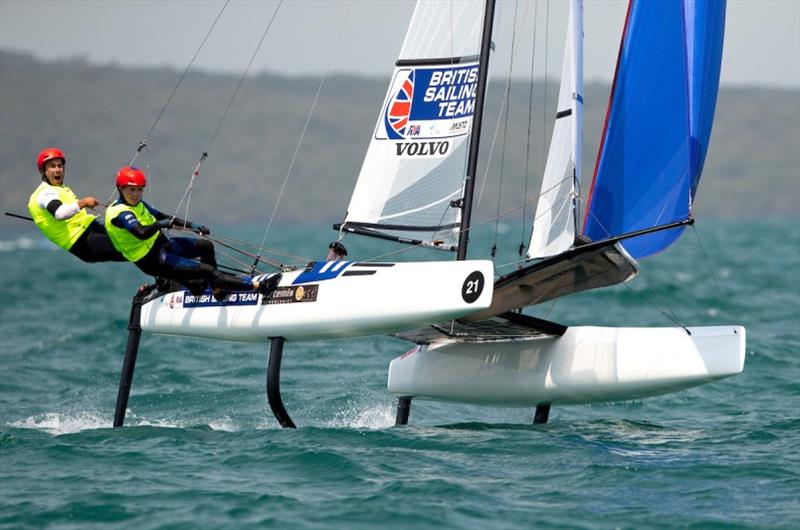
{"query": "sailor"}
[(135, 230), (62, 217), (336, 251)]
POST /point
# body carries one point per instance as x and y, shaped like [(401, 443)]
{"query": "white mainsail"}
[(415, 165), (554, 220)]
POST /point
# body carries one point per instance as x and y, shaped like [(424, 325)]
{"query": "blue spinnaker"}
[(658, 123)]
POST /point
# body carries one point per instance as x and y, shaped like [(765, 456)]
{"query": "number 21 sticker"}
[(473, 287)]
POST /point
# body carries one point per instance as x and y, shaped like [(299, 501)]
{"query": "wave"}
[(24, 243)]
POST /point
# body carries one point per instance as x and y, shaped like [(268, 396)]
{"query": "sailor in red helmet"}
[(62, 217), (135, 230)]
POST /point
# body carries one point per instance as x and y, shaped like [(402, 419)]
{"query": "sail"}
[(554, 220), (658, 122), (414, 169)]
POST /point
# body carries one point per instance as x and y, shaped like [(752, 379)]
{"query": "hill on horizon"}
[(99, 113)]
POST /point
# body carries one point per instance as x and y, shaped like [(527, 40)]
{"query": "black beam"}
[(131, 351), (542, 413), (403, 410)]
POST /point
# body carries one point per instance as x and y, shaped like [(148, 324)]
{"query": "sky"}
[(311, 37)]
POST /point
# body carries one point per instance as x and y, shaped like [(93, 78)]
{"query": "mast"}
[(474, 142)]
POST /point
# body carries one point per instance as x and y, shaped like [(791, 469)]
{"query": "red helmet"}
[(131, 176), (49, 153)]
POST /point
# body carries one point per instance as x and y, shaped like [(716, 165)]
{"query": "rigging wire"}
[(277, 252), (246, 267), (143, 143), (543, 160), (305, 126), (187, 194), (505, 127), (524, 216), (711, 271), (669, 313)]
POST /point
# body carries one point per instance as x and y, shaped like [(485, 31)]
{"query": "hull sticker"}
[(188, 300), (292, 294), (472, 287), (321, 271)]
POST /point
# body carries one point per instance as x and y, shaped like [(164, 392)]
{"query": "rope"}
[(188, 193), (305, 126), (711, 271), (222, 243), (524, 217), (143, 143), (544, 98), (670, 314), (293, 257), (505, 128)]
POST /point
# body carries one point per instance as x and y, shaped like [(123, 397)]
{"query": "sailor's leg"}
[(95, 246), (189, 247), (225, 281)]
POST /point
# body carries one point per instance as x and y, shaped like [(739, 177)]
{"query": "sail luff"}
[(474, 143)]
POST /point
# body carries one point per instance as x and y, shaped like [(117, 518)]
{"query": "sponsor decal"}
[(472, 287), (459, 126), (299, 293), (174, 300), (292, 294), (429, 102), (207, 299), (439, 148)]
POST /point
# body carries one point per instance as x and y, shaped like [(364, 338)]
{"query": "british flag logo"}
[(399, 109)]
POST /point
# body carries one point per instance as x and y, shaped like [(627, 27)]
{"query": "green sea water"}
[(201, 450)]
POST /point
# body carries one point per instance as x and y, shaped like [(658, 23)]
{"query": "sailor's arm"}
[(48, 199), (129, 222)]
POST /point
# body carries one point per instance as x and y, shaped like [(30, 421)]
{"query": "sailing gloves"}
[(180, 223)]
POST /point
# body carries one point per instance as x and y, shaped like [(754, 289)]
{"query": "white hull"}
[(333, 300), (585, 365)]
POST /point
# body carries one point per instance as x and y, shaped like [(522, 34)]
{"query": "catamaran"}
[(472, 342)]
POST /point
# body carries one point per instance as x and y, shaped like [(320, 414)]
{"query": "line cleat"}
[(265, 287)]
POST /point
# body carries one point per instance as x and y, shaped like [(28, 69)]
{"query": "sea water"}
[(200, 448)]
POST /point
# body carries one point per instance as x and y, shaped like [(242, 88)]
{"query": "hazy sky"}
[(762, 41)]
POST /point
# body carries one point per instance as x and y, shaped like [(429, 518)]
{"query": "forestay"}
[(658, 123), (414, 169)]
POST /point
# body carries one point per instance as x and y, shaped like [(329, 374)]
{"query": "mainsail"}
[(658, 123), (413, 174)]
